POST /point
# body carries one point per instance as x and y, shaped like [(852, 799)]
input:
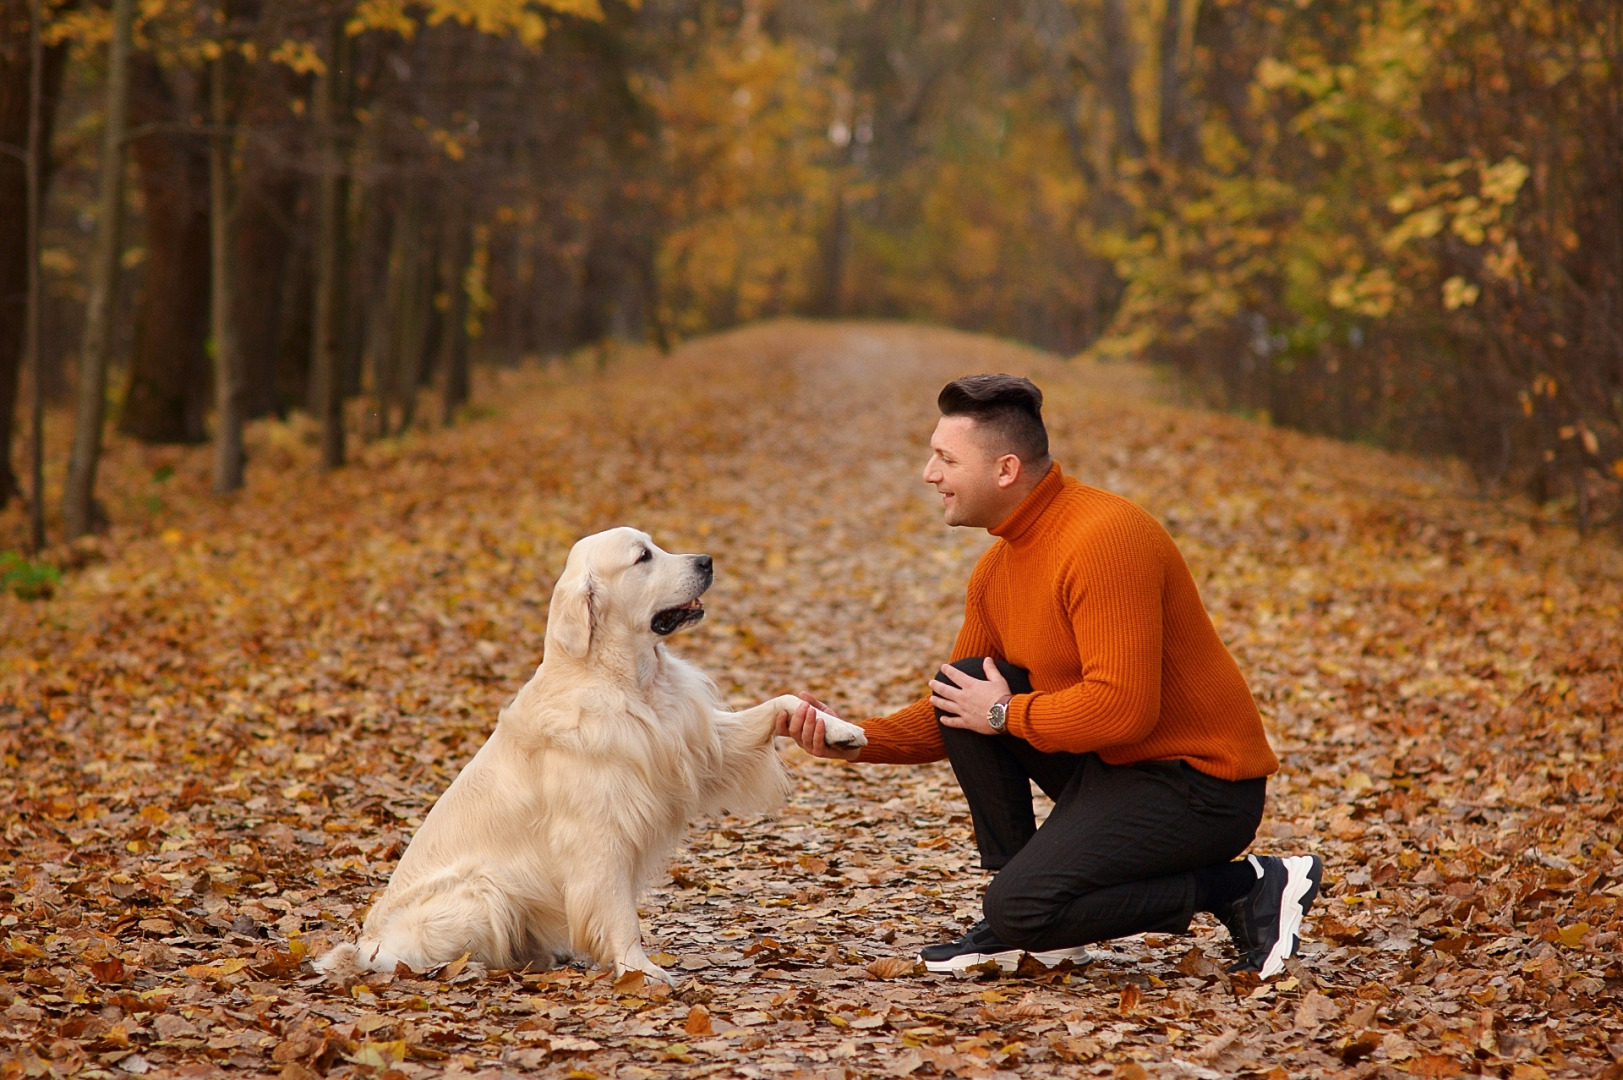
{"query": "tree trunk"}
[(331, 255), (18, 76), (79, 508), (831, 262), (1176, 138), (228, 396), (270, 279), (168, 394), (36, 210), (1118, 85), (454, 338), (390, 351)]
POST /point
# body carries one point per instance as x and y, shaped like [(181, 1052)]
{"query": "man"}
[(1087, 663)]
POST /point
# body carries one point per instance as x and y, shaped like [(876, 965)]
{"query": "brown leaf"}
[(1315, 1011), (1213, 1048), (1360, 1047), (110, 970), (1131, 996), (889, 967), (1196, 964), (1434, 1066), (698, 1021)]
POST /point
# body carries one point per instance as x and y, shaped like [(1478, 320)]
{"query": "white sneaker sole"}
[(1008, 960), (1297, 884)]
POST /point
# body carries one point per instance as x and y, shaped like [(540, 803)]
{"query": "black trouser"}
[(1115, 854)]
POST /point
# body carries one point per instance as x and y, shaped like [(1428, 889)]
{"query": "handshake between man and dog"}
[(540, 848)]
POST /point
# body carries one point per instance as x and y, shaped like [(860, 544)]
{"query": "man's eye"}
[(645, 556)]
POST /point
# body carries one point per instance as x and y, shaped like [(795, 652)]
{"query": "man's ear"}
[(1008, 470), (570, 616)]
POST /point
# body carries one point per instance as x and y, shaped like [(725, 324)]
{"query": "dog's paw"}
[(841, 734)]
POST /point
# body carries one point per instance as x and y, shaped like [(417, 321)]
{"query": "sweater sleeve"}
[(913, 735), (1115, 605)]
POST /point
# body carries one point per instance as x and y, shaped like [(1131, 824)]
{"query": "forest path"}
[(222, 730)]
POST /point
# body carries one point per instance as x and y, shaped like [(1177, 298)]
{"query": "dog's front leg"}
[(603, 925), (840, 734)]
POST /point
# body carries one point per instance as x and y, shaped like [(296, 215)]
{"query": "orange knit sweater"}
[(1088, 592)]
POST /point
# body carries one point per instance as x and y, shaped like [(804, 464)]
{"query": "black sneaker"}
[(1266, 923), (980, 944)]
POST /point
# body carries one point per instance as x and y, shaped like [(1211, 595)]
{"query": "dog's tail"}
[(346, 960)]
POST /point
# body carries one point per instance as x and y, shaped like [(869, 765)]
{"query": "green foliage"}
[(26, 578)]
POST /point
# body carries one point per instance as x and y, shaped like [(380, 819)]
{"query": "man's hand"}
[(805, 727), (967, 704)]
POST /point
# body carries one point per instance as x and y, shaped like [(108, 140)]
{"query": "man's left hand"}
[(967, 704)]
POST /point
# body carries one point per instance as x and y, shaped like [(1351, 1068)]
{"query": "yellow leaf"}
[(380, 1055), (301, 56), (1458, 293), (1572, 936)]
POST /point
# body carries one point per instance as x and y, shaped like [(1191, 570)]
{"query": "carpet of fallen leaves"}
[(220, 731)]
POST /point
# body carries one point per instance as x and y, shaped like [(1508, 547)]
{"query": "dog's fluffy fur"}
[(540, 847)]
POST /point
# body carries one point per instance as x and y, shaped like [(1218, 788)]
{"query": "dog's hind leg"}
[(603, 925)]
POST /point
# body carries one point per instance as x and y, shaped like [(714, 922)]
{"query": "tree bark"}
[(18, 76), (228, 395), (168, 396), (271, 291), (454, 384), (1118, 83), (79, 510), (1175, 137), (36, 209), (331, 255)]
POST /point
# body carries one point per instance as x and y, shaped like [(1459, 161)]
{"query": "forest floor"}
[(222, 728)]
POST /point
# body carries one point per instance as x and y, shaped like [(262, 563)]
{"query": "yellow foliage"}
[(301, 56)]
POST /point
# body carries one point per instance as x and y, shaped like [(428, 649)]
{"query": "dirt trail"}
[(224, 727)]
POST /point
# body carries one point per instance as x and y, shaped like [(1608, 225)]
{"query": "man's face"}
[(967, 474)]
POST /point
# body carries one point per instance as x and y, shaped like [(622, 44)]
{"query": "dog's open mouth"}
[(673, 619)]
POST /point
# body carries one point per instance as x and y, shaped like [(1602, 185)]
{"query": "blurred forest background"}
[(1392, 220)]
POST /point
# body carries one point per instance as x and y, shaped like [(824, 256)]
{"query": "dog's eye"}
[(645, 556)]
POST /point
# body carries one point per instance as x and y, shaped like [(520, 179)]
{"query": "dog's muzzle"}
[(672, 619)]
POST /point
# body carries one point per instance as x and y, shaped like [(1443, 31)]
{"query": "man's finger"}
[(949, 671)]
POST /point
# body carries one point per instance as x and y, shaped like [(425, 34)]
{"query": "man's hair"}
[(1007, 407)]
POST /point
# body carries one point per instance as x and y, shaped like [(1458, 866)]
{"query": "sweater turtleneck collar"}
[(1031, 508)]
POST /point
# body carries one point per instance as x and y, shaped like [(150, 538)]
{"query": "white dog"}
[(540, 847)]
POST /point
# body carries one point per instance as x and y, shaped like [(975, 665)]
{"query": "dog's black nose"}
[(706, 563)]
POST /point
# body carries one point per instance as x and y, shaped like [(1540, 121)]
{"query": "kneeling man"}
[(1088, 664)]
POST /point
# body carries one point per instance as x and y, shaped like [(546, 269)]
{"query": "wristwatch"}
[(998, 716)]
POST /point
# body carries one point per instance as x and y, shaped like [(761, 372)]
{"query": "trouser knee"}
[(1018, 678), (1019, 920)]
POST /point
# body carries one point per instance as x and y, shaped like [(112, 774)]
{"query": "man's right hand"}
[(805, 727)]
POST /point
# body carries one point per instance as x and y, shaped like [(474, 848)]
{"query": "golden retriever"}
[(540, 848)]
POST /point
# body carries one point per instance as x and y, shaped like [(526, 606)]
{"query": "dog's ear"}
[(569, 619)]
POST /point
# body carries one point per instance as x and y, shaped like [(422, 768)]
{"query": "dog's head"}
[(620, 586)]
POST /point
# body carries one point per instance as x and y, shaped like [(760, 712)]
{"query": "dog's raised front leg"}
[(603, 925), (840, 734)]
